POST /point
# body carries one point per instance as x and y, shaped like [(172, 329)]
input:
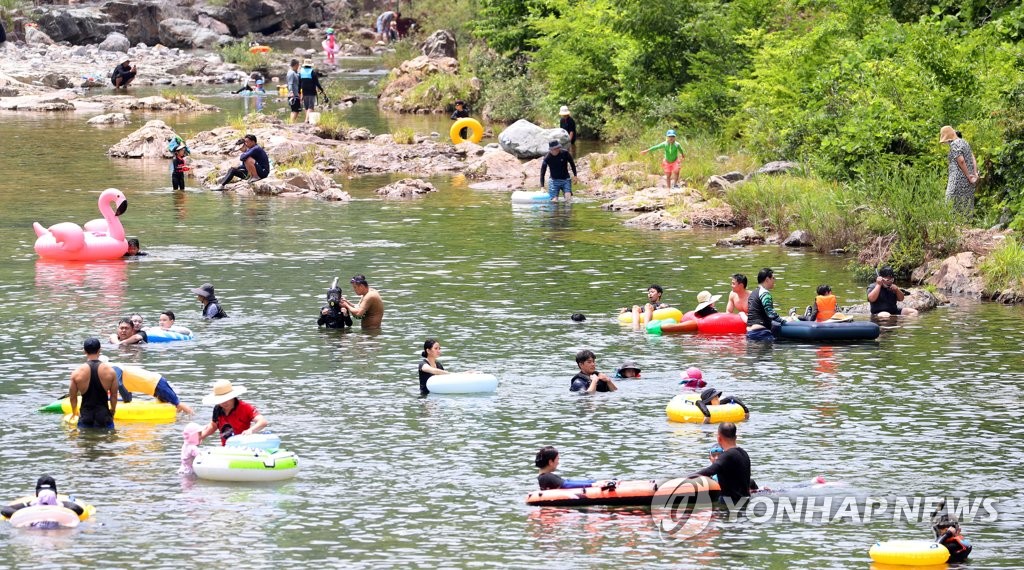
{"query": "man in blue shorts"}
[(559, 161)]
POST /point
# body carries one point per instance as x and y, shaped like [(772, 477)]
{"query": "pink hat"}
[(694, 372)]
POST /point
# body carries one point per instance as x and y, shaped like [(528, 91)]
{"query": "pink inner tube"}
[(721, 323), (40, 515)]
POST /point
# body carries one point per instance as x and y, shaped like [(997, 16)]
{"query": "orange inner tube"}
[(259, 49)]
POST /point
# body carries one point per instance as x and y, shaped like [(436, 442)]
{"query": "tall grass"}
[(304, 161), (13, 5), (332, 126), (1004, 267), (238, 53), (176, 96), (440, 90), (404, 135), (404, 50), (911, 204)]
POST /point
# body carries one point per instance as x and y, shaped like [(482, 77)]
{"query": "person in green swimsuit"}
[(673, 156)]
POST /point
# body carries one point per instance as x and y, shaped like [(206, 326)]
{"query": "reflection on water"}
[(390, 478)]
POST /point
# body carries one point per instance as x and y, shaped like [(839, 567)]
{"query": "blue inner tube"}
[(161, 335), (809, 330)]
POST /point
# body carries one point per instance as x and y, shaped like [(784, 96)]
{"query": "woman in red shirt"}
[(231, 416)]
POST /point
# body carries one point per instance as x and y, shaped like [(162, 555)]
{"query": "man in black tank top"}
[(96, 382)]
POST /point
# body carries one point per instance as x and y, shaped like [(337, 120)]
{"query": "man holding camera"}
[(883, 295)]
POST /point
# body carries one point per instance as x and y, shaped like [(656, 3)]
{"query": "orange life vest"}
[(827, 305)]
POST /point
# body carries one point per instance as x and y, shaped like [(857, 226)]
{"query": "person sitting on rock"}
[(123, 74), (255, 163)]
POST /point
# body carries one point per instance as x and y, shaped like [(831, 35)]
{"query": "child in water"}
[(947, 533), (178, 168), (547, 462)]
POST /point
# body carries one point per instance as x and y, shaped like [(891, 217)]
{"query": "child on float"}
[(46, 494), (713, 397), (547, 461), (947, 533), (705, 304), (825, 306), (739, 296), (167, 323)]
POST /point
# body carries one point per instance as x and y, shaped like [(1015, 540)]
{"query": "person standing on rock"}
[(309, 84), (963, 171), (255, 163), (292, 81), (673, 157), (568, 124), (123, 74), (384, 24), (559, 161)]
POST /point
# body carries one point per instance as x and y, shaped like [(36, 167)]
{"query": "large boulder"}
[(407, 76), (775, 168), (958, 274), (141, 18), (77, 26), (799, 238), (440, 44), (177, 32), (115, 41), (746, 236), (109, 119), (524, 139), (148, 142), (406, 188), (36, 37)]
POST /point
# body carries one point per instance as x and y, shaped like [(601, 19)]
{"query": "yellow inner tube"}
[(909, 552), (134, 411), (476, 130), (683, 408), (87, 509), (660, 314)]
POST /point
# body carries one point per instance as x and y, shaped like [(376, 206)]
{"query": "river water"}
[(389, 478)]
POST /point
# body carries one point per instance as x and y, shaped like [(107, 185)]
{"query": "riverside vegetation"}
[(853, 90)]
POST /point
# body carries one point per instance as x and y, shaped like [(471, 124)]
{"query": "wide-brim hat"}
[(554, 144), (704, 299), (564, 111), (222, 392), (707, 395), (204, 290), (947, 134), (627, 364)]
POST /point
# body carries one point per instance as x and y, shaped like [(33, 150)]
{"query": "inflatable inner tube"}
[(476, 130), (683, 327), (265, 441), (134, 411), (721, 323), (260, 49), (673, 313), (157, 334), (86, 508), (243, 464), (462, 383), (44, 517), (683, 408), (909, 552), (528, 197), (631, 493), (810, 330)]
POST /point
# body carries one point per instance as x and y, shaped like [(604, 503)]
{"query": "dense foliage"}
[(840, 85)]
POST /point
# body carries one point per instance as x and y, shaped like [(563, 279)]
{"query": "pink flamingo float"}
[(101, 239)]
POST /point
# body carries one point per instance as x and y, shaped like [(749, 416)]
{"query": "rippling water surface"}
[(932, 408)]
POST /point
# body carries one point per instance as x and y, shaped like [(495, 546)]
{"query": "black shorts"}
[(95, 418), (295, 104)]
